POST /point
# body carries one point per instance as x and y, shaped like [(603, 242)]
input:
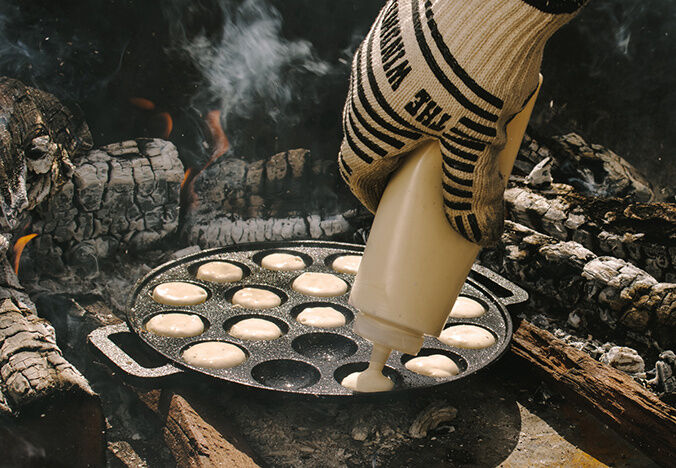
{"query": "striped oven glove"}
[(452, 70)]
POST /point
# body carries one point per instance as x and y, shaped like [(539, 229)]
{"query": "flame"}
[(168, 123), (220, 145), (18, 249), (142, 103), (220, 142), (186, 177)]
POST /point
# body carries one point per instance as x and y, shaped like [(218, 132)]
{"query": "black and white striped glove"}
[(452, 70)]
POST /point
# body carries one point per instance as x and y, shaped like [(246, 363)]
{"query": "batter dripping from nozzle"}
[(372, 379), (440, 95)]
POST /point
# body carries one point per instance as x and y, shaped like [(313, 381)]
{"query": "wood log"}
[(124, 196), (193, 441), (611, 395), (39, 140), (52, 412), (641, 233), (287, 196), (605, 294), (593, 170)]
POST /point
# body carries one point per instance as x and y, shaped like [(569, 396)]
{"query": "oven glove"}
[(452, 70)]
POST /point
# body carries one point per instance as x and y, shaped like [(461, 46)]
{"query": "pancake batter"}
[(179, 293), (467, 336), (176, 325), (321, 317), (434, 365), (256, 298), (219, 272), (319, 284), (283, 262), (465, 307), (347, 264), (214, 355), (372, 379), (255, 329)]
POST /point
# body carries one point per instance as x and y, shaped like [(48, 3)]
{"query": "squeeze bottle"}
[(415, 264)]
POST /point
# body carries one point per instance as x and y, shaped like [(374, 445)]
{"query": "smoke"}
[(252, 65)]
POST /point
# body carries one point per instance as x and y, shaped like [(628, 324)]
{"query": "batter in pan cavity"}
[(175, 325), (179, 293), (283, 262), (219, 272), (255, 329), (214, 355), (347, 264), (319, 284), (256, 298)]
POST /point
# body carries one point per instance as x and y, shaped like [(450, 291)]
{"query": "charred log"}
[(44, 399), (641, 233), (593, 170), (605, 293), (40, 140), (123, 196), (236, 201)]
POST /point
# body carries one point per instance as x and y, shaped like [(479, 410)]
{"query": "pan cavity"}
[(282, 260), (176, 325), (467, 337), (219, 272), (285, 374), (321, 315), (255, 328), (179, 293), (256, 297), (357, 367), (214, 355), (324, 346), (436, 363), (319, 285), (466, 307)]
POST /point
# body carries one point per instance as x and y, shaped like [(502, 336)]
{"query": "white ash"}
[(624, 359)]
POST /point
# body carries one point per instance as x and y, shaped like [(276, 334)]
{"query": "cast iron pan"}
[(306, 360)]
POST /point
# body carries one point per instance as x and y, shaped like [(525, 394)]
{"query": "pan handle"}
[(508, 292), (100, 339)]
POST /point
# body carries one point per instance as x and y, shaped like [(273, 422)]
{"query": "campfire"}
[(244, 165)]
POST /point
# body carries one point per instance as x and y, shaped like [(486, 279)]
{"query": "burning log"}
[(610, 394), (603, 292), (592, 169), (123, 196), (39, 141), (265, 200), (49, 406), (641, 233)]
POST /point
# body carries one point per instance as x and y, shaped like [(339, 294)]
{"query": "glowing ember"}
[(18, 249), (142, 103)]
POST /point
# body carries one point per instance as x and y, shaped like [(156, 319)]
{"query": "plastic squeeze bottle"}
[(415, 264)]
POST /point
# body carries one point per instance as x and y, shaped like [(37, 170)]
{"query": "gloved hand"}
[(452, 70)]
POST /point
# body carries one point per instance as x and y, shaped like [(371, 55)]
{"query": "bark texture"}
[(39, 141), (610, 394)]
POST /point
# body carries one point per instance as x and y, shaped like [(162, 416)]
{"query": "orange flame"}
[(186, 177), (220, 145), (220, 141), (18, 249), (142, 103), (168, 123)]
